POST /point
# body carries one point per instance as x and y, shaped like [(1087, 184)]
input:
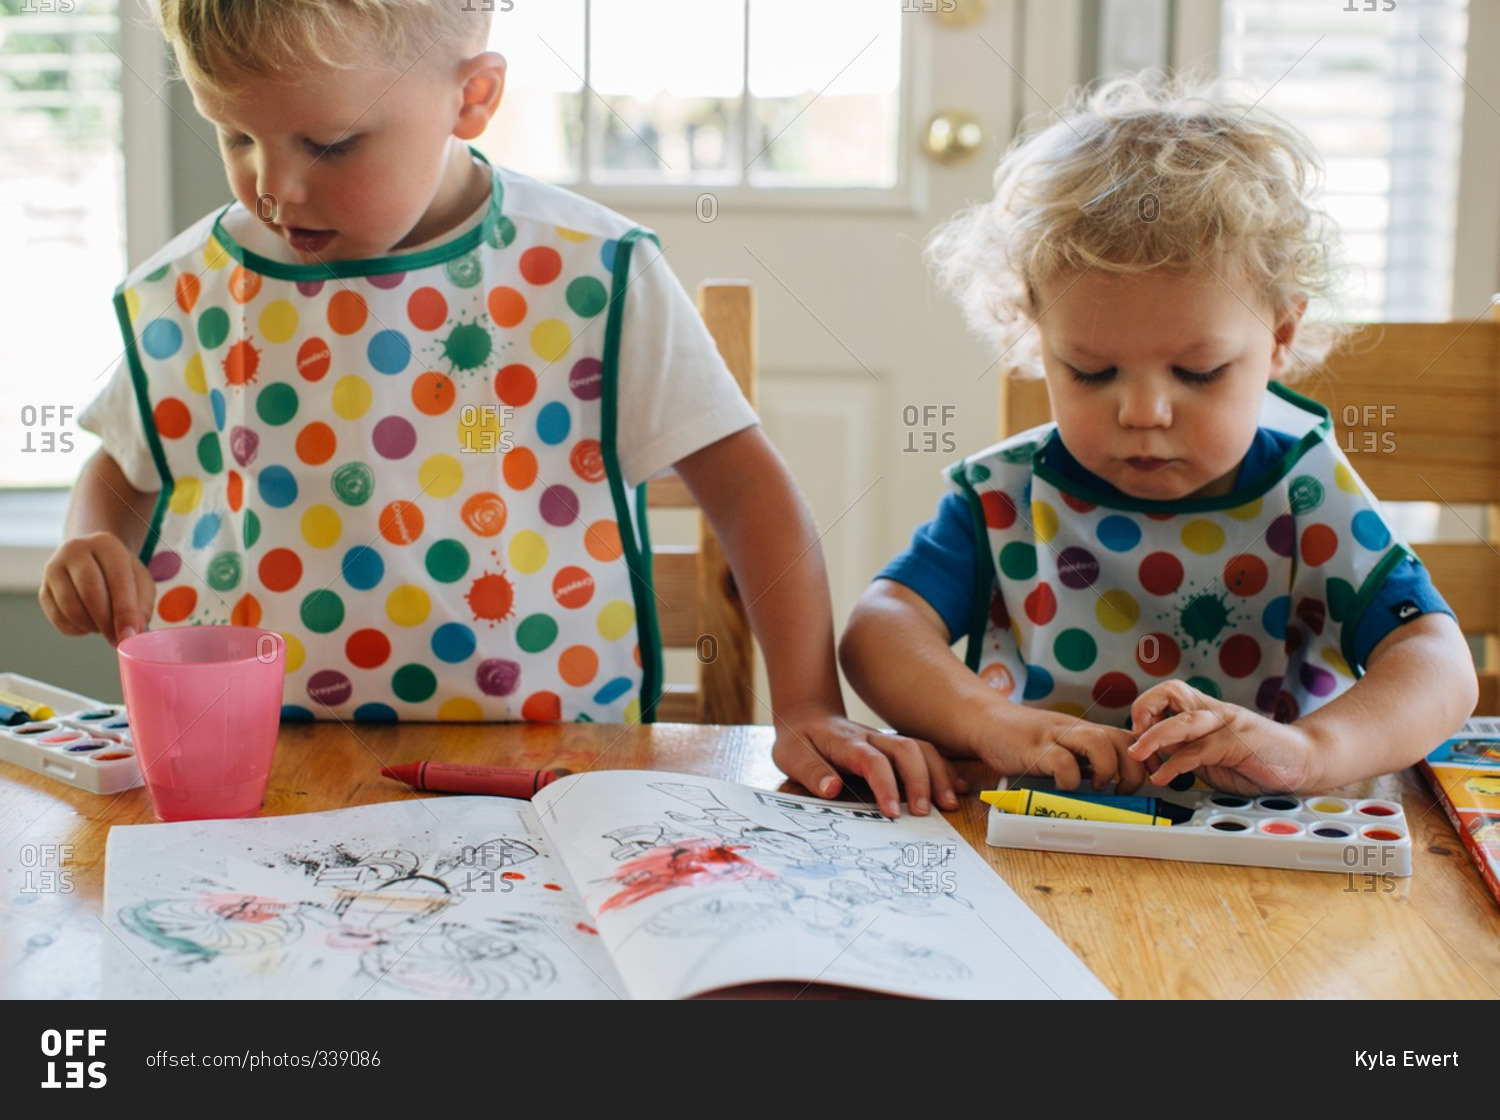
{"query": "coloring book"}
[(1464, 773), (615, 884)]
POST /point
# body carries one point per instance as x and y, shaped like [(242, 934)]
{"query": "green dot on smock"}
[(1018, 560), (447, 560), (500, 233), (224, 571), (210, 453), (587, 297), (1206, 686), (213, 327), (464, 271), (468, 346), (353, 483), (978, 473), (1075, 650), (536, 633), (277, 403), (252, 528), (151, 277), (1306, 492), (1340, 598), (413, 683), (322, 612)]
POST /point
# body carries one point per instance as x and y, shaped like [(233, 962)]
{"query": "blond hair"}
[(1140, 173), (214, 39)]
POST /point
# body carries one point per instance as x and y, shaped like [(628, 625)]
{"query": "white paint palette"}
[(85, 743), (1320, 833)]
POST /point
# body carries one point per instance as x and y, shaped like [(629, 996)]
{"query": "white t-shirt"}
[(677, 395)]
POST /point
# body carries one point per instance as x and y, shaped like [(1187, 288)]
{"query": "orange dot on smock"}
[(578, 665), (484, 514), (280, 569), (572, 587), (1319, 543), (432, 393), (999, 511), (542, 707), (367, 649), (246, 612), (427, 309), (603, 540), (235, 490), (313, 359), (316, 443), (177, 604), (541, 265), (243, 285), (507, 306), (172, 418), (587, 460), (241, 363), (187, 291), (1246, 575), (519, 468), (515, 385), (401, 522), (347, 311)]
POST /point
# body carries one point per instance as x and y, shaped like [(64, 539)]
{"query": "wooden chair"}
[(697, 604), (1416, 407)]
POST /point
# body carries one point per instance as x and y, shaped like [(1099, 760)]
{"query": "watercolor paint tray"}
[(85, 743), (1322, 833)]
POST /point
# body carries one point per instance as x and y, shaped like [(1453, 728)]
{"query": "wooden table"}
[(1149, 929)]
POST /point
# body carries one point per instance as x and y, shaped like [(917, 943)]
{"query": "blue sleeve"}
[(939, 564), (1407, 593)]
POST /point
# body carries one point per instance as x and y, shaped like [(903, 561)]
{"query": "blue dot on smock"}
[(295, 713), (206, 529), (363, 568), (1370, 531), (1038, 683), (1119, 534), (375, 713), (389, 352), (1274, 618), (613, 690), (278, 488), (553, 424), (453, 642), (162, 338), (607, 254), (216, 399)]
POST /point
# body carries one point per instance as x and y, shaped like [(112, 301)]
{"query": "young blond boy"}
[(396, 404)]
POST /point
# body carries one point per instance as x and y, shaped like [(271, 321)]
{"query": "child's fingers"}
[(924, 773), (64, 611), (1170, 735)]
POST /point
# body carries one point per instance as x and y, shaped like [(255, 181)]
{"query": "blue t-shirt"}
[(939, 563)]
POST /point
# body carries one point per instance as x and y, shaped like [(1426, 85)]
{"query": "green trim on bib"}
[(984, 571), (1231, 500), (148, 421), (636, 538), (1367, 591)]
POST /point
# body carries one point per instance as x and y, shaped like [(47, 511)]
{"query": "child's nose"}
[(279, 181), (1145, 404)]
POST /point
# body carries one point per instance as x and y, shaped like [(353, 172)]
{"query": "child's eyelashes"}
[(331, 151), (1098, 378), (1192, 377), (1188, 376)]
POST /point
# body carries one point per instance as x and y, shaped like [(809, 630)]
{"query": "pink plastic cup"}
[(204, 704)]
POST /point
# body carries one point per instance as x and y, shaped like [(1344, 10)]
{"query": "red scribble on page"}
[(686, 863)]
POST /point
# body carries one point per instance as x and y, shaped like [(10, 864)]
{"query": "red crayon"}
[(454, 777)]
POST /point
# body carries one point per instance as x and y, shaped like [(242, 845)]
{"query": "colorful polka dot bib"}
[(405, 466), (1252, 598)]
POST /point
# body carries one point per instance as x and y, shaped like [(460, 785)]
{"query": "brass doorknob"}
[(951, 136)]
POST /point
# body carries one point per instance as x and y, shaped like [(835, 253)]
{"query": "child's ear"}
[(483, 79), (1286, 330)]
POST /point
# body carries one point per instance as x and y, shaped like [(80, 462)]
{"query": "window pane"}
[(824, 83), (539, 128), (667, 107), (62, 240), (1379, 94)]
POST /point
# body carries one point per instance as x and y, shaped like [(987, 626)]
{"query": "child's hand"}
[(814, 746), (1179, 729), (94, 582), (1064, 748)]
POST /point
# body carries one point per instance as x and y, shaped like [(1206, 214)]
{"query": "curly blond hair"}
[(277, 38), (1144, 172)]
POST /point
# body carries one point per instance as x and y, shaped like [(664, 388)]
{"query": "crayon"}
[(1087, 807), (10, 703), (453, 777)]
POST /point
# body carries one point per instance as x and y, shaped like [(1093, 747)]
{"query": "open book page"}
[(443, 897), (697, 885)]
